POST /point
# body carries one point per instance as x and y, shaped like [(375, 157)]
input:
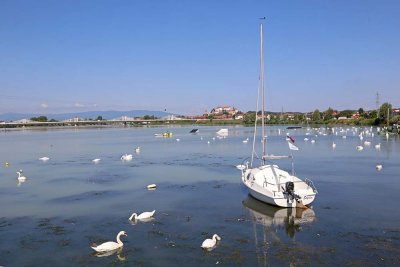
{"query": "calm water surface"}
[(69, 202)]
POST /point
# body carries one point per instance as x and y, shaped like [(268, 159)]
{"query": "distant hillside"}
[(108, 115)]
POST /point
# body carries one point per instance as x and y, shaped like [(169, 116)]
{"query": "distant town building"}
[(123, 118), (224, 110), (355, 116), (171, 117), (22, 121)]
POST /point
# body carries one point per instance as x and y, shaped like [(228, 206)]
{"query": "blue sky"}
[(190, 56)]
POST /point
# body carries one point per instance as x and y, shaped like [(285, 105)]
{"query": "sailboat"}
[(267, 182)]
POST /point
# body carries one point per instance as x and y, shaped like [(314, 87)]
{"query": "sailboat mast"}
[(262, 94)]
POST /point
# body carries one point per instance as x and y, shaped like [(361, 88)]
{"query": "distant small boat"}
[(151, 186), (127, 157), (194, 131), (167, 134), (223, 132)]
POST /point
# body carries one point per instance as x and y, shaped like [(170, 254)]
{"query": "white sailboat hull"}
[(267, 184)]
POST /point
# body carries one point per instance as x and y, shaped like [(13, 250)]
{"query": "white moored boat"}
[(267, 182)]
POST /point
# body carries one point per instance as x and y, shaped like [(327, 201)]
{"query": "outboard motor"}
[(290, 191)]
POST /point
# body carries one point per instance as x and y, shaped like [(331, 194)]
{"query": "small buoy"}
[(151, 186)]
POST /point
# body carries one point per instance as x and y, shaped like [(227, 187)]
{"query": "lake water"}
[(69, 202)]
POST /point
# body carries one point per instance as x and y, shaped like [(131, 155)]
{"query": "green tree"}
[(40, 118), (249, 117), (361, 112), (372, 114), (316, 116), (99, 118), (148, 117), (383, 111), (328, 114), (346, 113)]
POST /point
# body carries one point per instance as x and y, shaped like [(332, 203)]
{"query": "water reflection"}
[(19, 183), (134, 221), (269, 216), (118, 251)]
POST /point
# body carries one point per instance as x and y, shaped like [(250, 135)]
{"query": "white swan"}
[(137, 150), (44, 158), (96, 161), (142, 216), (333, 145), (210, 243), (241, 167), (379, 167), (110, 245), (378, 146), (359, 148), (21, 176), (127, 157)]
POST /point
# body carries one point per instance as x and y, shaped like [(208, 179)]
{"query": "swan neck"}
[(119, 239), (133, 216)]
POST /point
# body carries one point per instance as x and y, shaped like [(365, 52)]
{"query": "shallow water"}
[(69, 202)]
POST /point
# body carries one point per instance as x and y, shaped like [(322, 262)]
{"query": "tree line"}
[(381, 116)]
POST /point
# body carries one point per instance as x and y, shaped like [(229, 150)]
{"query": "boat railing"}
[(311, 184)]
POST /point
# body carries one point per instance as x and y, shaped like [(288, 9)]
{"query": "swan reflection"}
[(145, 220), (269, 216), (109, 253)]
